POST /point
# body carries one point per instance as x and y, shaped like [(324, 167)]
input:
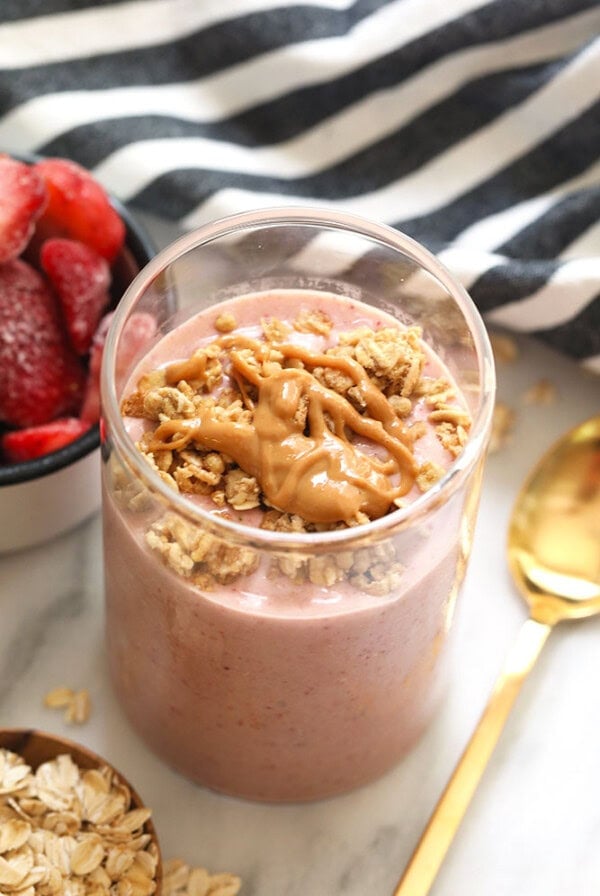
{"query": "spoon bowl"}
[(553, 553), (554, 534)]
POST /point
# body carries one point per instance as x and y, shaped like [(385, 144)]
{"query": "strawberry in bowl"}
[(68, 251)]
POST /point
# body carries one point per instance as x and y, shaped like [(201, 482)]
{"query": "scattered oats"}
[(181, 880), (59, 698), (198, 882), (77, 704), (224, 884), (79, 710), (543, 392), (503, 422), (504, 347), (225, 323), (176, 875)]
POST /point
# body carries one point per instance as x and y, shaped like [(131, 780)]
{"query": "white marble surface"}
[(534, 826)]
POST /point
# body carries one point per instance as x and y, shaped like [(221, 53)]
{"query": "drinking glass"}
[(317, 670)]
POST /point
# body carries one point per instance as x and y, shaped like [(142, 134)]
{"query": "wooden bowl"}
[(37, 747)]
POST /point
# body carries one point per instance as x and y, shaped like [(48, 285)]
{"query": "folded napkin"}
[(473, 126)]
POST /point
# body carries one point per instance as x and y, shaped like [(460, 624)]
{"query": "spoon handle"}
[(452, 805)]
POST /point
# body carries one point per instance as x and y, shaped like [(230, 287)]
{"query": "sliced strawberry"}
[(139, 330), (81, 279), (35, 441), (23, 197), (40, 377), (79, 208)]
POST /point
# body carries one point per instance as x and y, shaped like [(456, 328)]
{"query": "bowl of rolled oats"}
[(70, 823)]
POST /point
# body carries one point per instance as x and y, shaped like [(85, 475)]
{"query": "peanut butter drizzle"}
[(321, 476)]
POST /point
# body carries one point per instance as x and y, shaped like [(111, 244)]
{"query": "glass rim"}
[(265, 539)]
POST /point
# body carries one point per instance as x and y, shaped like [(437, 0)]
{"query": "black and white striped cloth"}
[(472, 125)]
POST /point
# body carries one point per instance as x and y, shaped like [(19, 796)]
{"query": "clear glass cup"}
[(284, 685)]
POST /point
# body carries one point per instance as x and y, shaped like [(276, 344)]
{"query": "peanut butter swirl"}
[(305, 463), (300, 441)]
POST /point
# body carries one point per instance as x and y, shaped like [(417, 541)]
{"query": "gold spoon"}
[(554, 557)]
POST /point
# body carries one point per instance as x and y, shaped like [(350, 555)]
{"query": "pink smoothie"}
[(265, 687)]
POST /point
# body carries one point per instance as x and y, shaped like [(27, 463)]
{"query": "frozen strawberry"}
[(40, 377), (139, 330), (81, 279), (22, 199), (137, 333), (35, 441), (90, 409), (79, 208)]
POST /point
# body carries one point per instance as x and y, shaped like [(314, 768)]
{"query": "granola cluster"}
[(209, 386), (197, 555), (373, 570), (451, 422), (69, 832)]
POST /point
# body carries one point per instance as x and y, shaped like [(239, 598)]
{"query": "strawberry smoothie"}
[(280, 632)]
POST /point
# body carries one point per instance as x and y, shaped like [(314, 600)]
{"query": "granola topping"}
[(307, 438)]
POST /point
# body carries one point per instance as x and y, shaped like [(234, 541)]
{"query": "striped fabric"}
[(473, 126)]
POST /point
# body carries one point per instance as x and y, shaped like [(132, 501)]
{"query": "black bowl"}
[(137, 251)]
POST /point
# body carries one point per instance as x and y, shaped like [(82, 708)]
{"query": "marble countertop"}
[(533, 828)]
